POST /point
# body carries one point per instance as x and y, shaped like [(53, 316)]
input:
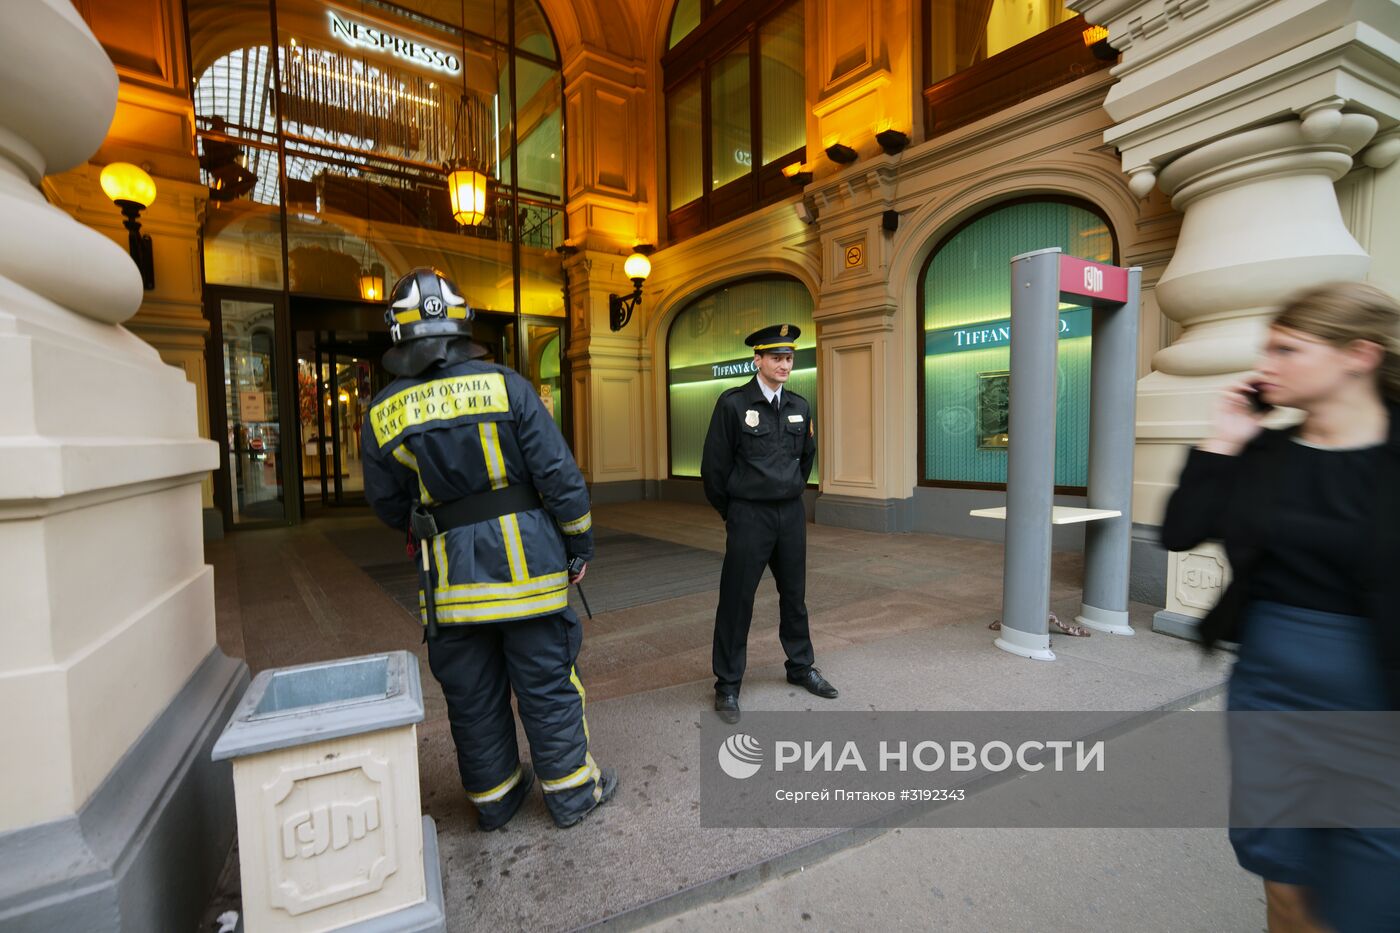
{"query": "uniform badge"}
[(751, 418), (795, 419), (783, 331)]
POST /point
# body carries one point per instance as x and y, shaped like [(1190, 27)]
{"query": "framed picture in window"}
[(993, 410)]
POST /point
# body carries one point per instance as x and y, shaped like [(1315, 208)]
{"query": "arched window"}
[(705, 355), (965, 302), (736, 111)]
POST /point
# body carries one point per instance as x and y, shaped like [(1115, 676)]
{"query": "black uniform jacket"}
[(752, 453), (1231, 499), (466, 427)]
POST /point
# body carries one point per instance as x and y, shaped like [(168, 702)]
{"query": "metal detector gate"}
[(1039, 281)]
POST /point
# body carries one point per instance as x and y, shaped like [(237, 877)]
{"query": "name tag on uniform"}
[(751, 418), (795, 419)]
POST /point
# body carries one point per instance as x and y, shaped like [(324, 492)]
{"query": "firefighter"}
[(461, 454)]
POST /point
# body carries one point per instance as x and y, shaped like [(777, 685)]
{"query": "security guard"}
[(757, 459), (462, 453)]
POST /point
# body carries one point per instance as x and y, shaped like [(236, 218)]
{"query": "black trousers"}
[(762, 534), (479, 666)]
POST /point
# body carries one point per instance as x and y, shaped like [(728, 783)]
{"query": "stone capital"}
[(1195, 72), (1262, 220)]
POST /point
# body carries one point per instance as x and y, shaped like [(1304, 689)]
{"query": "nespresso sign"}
[(373, 37)]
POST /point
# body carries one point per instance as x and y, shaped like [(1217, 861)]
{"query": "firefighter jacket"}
[(468, 427), (755, 453)]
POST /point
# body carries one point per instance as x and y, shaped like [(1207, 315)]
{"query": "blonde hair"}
[(1341, 312)]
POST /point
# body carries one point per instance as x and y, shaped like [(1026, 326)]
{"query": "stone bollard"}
[(330, 826)]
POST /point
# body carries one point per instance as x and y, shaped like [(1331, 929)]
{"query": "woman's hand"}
[(1237, 422)]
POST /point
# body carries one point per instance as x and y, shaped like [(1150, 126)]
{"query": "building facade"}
[(703, 131)]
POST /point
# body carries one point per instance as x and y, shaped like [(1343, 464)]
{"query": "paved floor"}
[(1004, 880), (898, 622)]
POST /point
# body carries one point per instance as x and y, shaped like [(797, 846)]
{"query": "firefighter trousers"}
[(479, 666)]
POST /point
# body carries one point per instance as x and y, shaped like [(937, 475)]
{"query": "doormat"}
[(627, 569)]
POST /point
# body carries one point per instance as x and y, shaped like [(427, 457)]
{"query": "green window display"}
[(705, 355), (966, 337)]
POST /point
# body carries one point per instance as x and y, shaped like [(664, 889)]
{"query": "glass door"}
[(543, 359), (338, 374), (251, 476)]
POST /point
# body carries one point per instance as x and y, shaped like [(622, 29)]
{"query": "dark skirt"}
[(1306, 660)]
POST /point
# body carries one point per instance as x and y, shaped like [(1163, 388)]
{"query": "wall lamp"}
[(841, 153), (796, 175), (892, 141), (132, 190), (637, 268)]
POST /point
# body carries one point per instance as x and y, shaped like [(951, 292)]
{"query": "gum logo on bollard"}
[(308, 833), (740, 756), (335, 834)]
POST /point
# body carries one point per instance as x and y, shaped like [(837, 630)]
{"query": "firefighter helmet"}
[(425, 303)]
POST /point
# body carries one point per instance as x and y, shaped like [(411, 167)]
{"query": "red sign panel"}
[(1093, 280)]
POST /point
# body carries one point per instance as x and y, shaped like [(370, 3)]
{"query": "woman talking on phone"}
[(1310, 520)]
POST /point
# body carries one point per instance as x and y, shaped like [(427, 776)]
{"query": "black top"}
[(1238, 500), (1317, 553), (757, 453)]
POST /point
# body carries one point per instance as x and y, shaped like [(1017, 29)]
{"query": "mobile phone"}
[(1257, 403)]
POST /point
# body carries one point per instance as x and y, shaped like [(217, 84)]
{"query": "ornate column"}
[(863, 78), (112, 816), (1247, 122), (608, 214), (171, 317), (612, 413), (864, 352), (153, 127)]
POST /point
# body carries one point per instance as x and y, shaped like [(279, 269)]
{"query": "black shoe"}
[(607, 781), (815, 683), (727, 705), (512, 801)]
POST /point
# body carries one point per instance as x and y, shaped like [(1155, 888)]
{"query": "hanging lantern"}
[(467, 188), (372, 284)]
